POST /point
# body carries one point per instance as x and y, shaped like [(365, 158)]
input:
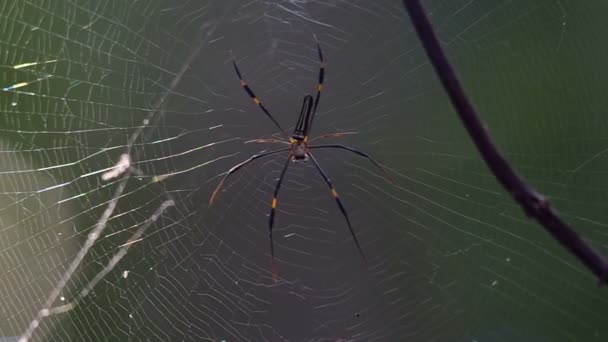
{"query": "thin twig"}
[(532, 202)]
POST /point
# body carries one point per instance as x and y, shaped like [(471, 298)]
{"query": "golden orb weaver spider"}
[(299, 150)]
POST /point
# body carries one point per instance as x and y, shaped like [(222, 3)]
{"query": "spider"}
[(299, 150)]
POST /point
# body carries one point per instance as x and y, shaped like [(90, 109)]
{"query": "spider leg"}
[(331, 135), (319, 88), (274, 141), (255, 99), (240, 165), (334, 194), (362, 154), (273, 206)]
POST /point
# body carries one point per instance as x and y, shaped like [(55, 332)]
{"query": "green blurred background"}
[(451, 257)]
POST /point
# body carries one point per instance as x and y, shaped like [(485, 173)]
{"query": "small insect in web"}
[(299, 150)]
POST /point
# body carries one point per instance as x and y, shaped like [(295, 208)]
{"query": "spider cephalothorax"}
[(298, 150)]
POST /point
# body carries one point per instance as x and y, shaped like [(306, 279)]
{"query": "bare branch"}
[(532, 202)]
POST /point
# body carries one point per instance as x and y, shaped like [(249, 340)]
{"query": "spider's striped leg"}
[(255, 99), (273, 207), (240, 165), (334, 194), (320, 83), (362, 154)]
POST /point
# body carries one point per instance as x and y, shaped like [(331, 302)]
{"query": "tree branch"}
[(533, 203)]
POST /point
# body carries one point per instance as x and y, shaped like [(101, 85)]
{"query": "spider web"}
[(118, 117)]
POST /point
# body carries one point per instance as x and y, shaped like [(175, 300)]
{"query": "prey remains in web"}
[(299, 150)]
